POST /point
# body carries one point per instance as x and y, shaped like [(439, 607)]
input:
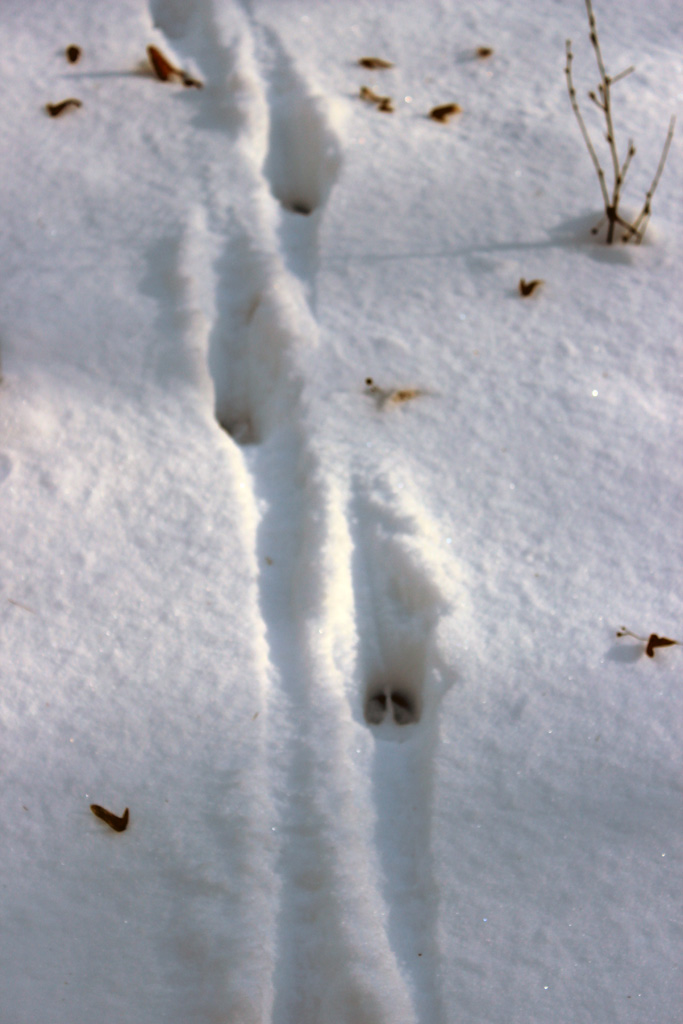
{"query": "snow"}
[(348, 656)]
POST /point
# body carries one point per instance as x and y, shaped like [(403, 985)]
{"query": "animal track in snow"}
[(303, 154), (304, 147), (400, 603), (352, 881), (382, 698), (405, 601), (261, 326)]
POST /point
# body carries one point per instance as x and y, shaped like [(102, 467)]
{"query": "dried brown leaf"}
[(375, 63), (445, 112), (118, 824), (57, 109), (527, 288)]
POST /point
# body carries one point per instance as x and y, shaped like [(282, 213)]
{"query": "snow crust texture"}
[(317, 632)]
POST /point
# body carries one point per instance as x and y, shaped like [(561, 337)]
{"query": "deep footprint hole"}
[(241, 430), (392, 702), (295, 206)]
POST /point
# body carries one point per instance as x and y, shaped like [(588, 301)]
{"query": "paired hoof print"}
[(399, 705), (118, 824)]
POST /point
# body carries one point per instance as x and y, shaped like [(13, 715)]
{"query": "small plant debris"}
[(167, 72), (73, 54), (375, 63), (163, 69), (390, 396), (527, 288), (118, 824), (652, 642), (191, 83), (57, 109), (445, 112), (383, 103), (484, 51), (602, 98)]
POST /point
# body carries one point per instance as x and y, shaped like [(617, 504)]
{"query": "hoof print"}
[(241, 430), (376, 709), (393, 705), (118, 824), (403, 708)]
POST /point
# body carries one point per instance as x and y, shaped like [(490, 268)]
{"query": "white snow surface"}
[(350, 661)]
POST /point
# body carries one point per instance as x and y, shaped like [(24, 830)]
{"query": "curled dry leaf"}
[(118, 824), (375, 63), (163, 69), (484, 51), (167, 72), (445, 112), (527, 288), (657, 641), (57, 109), (73, 54)]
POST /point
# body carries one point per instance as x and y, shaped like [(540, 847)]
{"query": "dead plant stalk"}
[(603, 100)]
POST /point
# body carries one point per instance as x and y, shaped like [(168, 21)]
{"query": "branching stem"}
[(603, 100)]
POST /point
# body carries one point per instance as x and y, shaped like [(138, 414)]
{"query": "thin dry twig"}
[(602, 98)]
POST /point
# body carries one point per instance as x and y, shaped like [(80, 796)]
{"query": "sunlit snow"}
[(316, 533)]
